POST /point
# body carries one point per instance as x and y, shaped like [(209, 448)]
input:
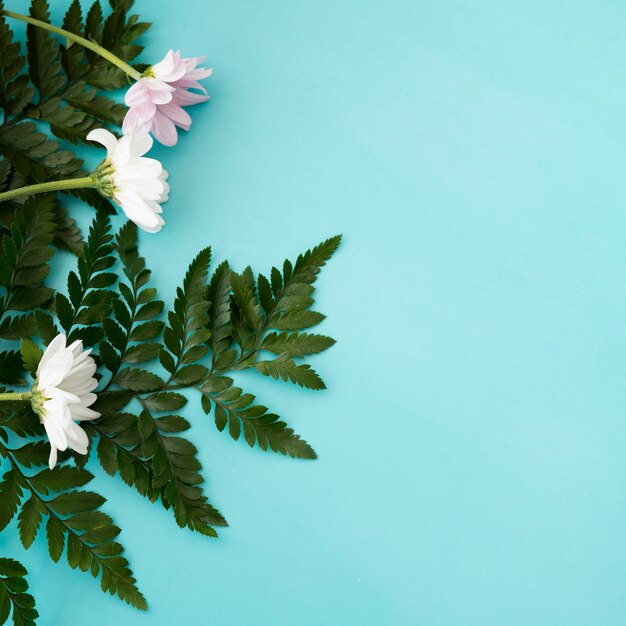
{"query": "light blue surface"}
[(471, 443)]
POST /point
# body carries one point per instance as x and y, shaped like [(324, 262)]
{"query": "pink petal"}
[(160, 92), (177, 114), (164, 130), (138, 94), (188, 98), (170, 68), (138, 119)]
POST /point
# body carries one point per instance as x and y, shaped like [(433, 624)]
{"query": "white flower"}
[(62, 394), (134, 182)]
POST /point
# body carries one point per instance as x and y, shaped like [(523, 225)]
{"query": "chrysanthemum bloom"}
[(157, 99), (134, 182), (62, 394)]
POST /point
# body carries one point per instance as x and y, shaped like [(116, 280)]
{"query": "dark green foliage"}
[(126, 341), (12, 328), (84, 312), (73, 519), (31, 355), (25, 255), (11, 368), (67, 235), (15, 91), (34, 154), (148, 451), (281, 303), (177, 471), (225, 324), (13, 594), (118, 33), (44, 62), (186, 334), (119, 451), (10, 496), (144, 450), (26, 252), (296, 344), (219, 323), (58, 85), (17, 418), (119, 444), (286, 369), (237, 410), (219, 316)]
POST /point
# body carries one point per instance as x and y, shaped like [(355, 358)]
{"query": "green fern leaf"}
[(76, 522), (177, 472), (186, 331), (296, 344), (10, 496), (237, 410), (14, 596), (286, 369)]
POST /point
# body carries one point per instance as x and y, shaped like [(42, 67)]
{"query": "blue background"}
[(471, 443)]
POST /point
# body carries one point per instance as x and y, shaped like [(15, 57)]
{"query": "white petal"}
[(80, 412), (121, 154), (55, 433), (155, 229), (52, 460), (55, 369), (104, 137), (58, 343), (76, 347), (77, 438), (138, 211), (140, 143)]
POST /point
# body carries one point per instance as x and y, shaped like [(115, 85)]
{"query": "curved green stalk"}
[(103, 52), (15, 395), (53, 185)]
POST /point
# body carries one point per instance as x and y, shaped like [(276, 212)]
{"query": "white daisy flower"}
[(134, 182), (62, 393)]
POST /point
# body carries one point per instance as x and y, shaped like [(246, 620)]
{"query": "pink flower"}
[(157, 99)]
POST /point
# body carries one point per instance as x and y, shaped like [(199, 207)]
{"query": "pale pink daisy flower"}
[(157, 99)]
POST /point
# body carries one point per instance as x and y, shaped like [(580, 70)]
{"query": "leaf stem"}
[(103, 52), (15, 395), (53, 185)]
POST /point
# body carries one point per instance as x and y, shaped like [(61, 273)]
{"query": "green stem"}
[(103, 52), (53, 185), (15, 395)]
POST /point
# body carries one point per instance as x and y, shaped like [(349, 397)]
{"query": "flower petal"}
[(171, 68), (104, 137), (137, 210), (164, 130), (58, 343), (52, 459), (140, 143)]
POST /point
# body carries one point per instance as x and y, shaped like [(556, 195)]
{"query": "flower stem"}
[(15, 395), (103, 52), (53, 185)]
